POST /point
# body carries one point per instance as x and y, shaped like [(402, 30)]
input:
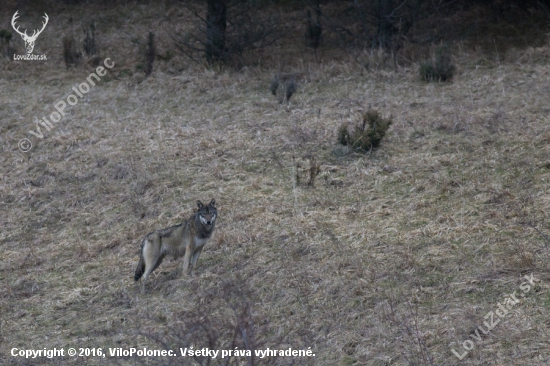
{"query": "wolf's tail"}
[(140, 268)]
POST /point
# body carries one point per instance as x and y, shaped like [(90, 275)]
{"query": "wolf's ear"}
[(212, 203), (199, 203)]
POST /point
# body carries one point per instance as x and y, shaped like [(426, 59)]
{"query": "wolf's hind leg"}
[(152, 256)]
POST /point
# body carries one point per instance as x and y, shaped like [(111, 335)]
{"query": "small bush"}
[(290, 88), (440, 69), (367, 134), (306, 175), (284, 86)]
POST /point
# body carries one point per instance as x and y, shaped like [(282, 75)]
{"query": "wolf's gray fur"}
[(186, 239)]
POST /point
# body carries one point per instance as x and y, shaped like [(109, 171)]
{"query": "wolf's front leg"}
[(187, 259)]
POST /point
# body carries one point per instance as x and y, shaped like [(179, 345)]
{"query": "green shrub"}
[(367, 134), (440, 69)]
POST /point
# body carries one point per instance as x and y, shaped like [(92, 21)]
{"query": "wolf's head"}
[(207, 214)]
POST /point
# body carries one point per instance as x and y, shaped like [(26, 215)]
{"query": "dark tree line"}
[(229, 29), (216, 24), (232, 27)]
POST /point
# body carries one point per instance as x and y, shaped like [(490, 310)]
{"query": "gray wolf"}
[(187, 240)]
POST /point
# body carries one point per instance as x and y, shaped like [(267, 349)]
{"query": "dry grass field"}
[(391, 258)]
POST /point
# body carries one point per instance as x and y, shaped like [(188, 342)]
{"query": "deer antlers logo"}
[(29, 40)]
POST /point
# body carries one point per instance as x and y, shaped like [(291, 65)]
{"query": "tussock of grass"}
[(367, 134), (440, 69)]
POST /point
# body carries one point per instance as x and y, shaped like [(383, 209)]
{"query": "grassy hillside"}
[(392, 258)]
